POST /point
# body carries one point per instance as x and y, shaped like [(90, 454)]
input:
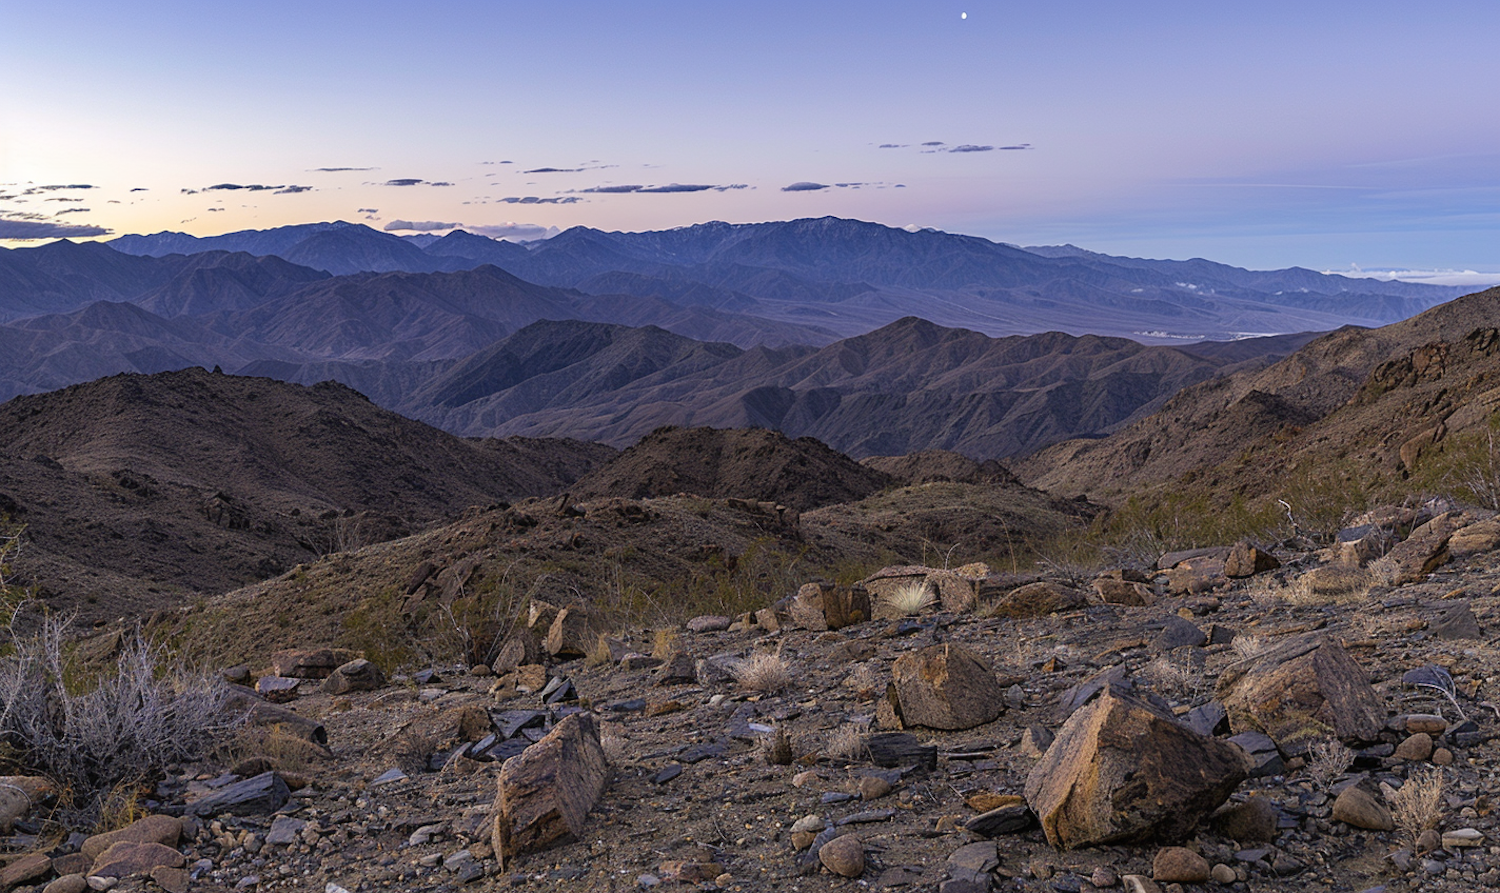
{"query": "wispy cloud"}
[(369, 210), (804, 186), (535, 200), (334, 170), (670, 187), (404, 181), (293, 190), (72, 211), (25, 230), (419, 226), (515, 232)]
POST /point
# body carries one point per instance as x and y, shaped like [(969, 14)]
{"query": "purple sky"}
[(1265, 135)]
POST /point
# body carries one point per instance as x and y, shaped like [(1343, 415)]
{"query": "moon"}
[(963, 15)]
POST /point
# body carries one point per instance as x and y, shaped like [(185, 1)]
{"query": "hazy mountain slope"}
[(1355, 395), (754, 464), (909, 386), (195, 481)]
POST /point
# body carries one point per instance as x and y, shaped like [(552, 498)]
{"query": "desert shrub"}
[(1418, 805), (847, 742), (102, 735), (1327, 759), (765, 673)]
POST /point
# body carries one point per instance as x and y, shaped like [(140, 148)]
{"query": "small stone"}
[(1253, 821), (1139, 883), (1223, 874), (812, 823), (1428, 841), (1463, 837), (708, 623), (98, 882), (844, 855), (1175, 864), (873, 788), (1416, 747), (68, 883), (172, 880), (1104, 876), (1430, 723), (1442, 757), (1358, 807), (984, 801)]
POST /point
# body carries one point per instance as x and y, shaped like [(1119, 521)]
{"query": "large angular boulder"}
[(310, 663), (1124, 592), (571, 633), (823, 606), (544, 795), (1038, 600), (1121, 770), (356, 675), (1482, 536), (1424, 551), (1300, 691), (946, 687), (1246, 560)]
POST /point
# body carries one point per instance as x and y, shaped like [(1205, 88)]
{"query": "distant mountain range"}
[(814, 327)]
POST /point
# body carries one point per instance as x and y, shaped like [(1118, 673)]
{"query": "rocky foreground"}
[(1241, 718)]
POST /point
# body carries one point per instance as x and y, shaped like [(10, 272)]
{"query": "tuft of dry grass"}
[(765, 673), (666, 642), (1330, 584), (1176, 677), (847, 742), (1418, 805), (1328, 759), (599, 655), (865, 679), (1384, 571), (1247, 647), (909, 599)]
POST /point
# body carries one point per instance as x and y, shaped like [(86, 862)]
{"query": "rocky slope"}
[(722, 778), (138, 490)]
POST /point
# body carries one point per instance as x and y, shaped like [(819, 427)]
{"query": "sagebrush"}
[(121, 728)]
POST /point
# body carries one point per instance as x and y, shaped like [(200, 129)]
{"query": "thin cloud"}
[(515, 232), (419, 226), (893, 145), (334, 170), (72, 211), (293, 190), (804, 186), (1022, 147), (440, 183), (404, 181), (33, 190), (140, 189), (613, 190), (233, 187), (553, 170), (969, 148), (63, 198), (367, 210), (935, 143), (24, 230), (534, 200)]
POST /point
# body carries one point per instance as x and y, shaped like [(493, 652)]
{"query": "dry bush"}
[(103, 735), (1384, 571), (1329, 585), (1175, 676), (909, 599), (616, 749), (1418, 805), (1328, 759), (666, 642), (865, 679), (765, 673), (599, 655), (1248, 647), (847, 742)]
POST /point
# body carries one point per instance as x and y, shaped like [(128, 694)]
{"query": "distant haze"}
[(1263, 135)]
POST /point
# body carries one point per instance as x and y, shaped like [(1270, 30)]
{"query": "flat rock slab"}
[(261, 795), (126, 858)]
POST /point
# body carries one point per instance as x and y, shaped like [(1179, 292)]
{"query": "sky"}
[(1332, 135)]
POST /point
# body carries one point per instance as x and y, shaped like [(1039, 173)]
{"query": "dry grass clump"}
[(847, 743), (1329, 585), (1418, 805), (616, 749), (1177, 677), (1384, 571), (765, 673), (1249, 647), (599, 655), (865, 679), (908, 599), (1328, 759), (665, 643)]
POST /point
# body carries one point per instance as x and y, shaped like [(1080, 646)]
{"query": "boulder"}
[(28, 868), (1124, 592), (1179, 865), (1299, 691), (128, 858), (539, 616), (19, 795), (1246, 560), (1196, 575), (310, 663), (708, 623), (267, 715), (523, 646), (946, 687), (356, 675), (162, 829), (825, 606), (261, 795), (1424, 551), (1253, 821), (957, 590), (1121, 769), (545, 793), (1361, 808), (571, 634), (1481, 536), (1457, 621), (278, 689), (1038, 600)]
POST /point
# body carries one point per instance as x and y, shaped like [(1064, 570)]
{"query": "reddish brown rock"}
[(946, 687), (1124, 592), (162, 829), (28, 868), (1299, 690), (1122, 770), (1424, 551), (1179, 865), (545, 794), (310, 663), (1246, 560), (1038, 600), (127, 858)]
